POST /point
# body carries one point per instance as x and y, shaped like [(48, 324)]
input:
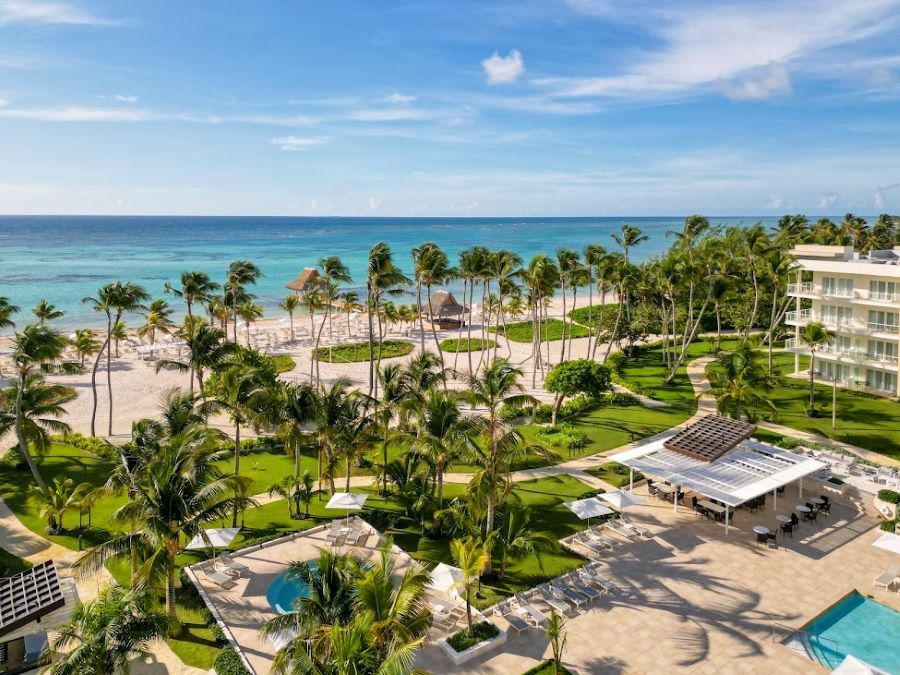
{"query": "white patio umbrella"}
[(854, 666), (219, 537), (622, 499), (444, 579), (347, 501), (889, 542), (588, 508)]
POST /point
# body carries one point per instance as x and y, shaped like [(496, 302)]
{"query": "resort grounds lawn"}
[(551, 329), (615, 474), (453, 345), (359, 351), (11, 564), (284, 363)]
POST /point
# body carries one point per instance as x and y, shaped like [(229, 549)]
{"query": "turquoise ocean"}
[(65, 258)]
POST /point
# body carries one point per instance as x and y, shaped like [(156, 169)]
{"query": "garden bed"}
[(453, 345), (460, 647), (359, 351)]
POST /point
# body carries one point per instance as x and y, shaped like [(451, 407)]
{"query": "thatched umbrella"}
[(444, 305), (308, 280)]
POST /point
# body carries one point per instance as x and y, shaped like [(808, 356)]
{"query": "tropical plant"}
[(84, 343), (41, 406), (556, 636), (739, 382), (112, 300), (241, 273), (290, 305), (45, 311), (157, 317), (207, 349), (514, 539), (472, 560), (195, 287), (814, 335), (383, 278), (106, 634), (295, 490), (579, 376), (7, 309), (248, 313), (61, 496)]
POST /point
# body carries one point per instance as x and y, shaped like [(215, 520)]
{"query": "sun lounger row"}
[(889, 577), (223, 570)]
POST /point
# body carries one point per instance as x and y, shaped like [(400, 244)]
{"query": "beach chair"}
[(561, 591), (516, 622), (232, 566), (552, 601), (595, 546), (220, 578), (600, 538), (639, 530), (589, 591), (536, 615), (887, 578), (620, 530)]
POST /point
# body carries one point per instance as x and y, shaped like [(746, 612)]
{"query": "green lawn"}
[(551, 329), (453, 345), (11, 564), (615, 474), (359, 351)]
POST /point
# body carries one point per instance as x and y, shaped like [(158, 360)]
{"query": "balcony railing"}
[(852, 353), (798, 289), (883, 327), (799, 315), (881, 295)]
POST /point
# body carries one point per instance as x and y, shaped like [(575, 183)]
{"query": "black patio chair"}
[(761, 538), (788, 528), (771, 540)]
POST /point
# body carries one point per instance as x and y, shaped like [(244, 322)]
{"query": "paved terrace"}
[(694, 600)]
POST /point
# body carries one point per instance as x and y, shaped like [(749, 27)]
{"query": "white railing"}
[(883, 327), (799, 315), (883, 296), (852, 353), (797, 289)]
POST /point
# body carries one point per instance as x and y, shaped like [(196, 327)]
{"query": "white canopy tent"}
[(588, 508), (444, 579), (749, 470), (889, 542), (622, 499), (218, 537)]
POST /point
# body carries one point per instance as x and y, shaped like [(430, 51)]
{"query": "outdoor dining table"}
[(782, 519), (761, 529), (818, 501), (802, 508), (711, 506)]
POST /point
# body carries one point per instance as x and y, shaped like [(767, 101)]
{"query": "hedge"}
[(483, 630), (359, 351), (889, 496), (229, 662)]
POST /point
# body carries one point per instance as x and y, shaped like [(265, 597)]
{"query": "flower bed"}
[(462, 647)]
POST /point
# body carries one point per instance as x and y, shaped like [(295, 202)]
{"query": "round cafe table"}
[(817, 500), (761, 529), (802, 508), (783, 519)]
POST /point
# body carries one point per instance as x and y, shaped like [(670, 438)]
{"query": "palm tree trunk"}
[(590, 308), (105, 345), (562, 347), (234, 314), (419, 312), (20, 435), (812, 368), (237, 463), (371, 336), (170, 591), (347, 484), (437, 345), (572, 327), (469, 327), (719, 329), (109, 378), (601, 284), (315, 352), (459, 331)]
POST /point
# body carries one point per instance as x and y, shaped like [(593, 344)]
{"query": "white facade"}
[(858, 299)]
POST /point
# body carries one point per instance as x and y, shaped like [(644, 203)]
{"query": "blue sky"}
[(568, 107)]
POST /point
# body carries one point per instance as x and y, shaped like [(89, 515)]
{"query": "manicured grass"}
[(615, 474), (870, 422), (465, 345), (551, 329), (11, 564), (610, 427), (359, 351), (595, 316), (284, 363)]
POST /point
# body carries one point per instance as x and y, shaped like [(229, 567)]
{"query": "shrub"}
[(542, 413), (889, 496), (359, 351), (483, 630), (465, 345), (90, 444), (382, 520), (283, 363), (563, 436), (548, 667), (229, 663), (889, 525), (551, 329), (508, 413)]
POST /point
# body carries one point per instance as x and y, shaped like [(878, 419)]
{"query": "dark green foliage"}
[(548, 667), (359, 351), (229, 663), (889, 496), (483, 630), (465, 345), (579, 376), (551, 329)]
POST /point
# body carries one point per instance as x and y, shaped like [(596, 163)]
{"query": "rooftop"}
[(29, 596), (710, 437)]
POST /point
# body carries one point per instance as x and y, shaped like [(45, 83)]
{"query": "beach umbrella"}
[(308, 279), (889, 542), (854, 666), (588, 508), (216, 537), (622, 499), (347, 501), (445, 579)]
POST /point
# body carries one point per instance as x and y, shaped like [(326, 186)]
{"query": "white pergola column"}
[(726, 520), (801, 488), (675, 499), (630, 479)]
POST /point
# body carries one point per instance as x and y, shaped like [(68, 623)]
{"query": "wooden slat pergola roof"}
[(710, 437), (29, 595)]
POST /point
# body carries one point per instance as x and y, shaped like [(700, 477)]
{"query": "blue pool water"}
[(856, 625), (285, 589)]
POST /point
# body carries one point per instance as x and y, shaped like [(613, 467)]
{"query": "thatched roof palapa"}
[(444, 304), (308, 280)]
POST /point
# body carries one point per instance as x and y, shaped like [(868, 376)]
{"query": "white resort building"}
[(857, 297)]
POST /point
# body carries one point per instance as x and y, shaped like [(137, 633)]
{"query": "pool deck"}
[(696, 601)]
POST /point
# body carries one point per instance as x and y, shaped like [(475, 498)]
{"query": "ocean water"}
[(65, 258)]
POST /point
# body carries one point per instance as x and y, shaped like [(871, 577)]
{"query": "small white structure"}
[(216, 537), (889, 542), (446, 579), (622, 499), (347, 501), (588, 508)]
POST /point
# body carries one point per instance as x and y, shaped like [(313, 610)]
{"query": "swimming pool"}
[(856, 625), (285, 589)]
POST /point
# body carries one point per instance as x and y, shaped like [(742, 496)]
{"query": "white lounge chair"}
[(539, 618), (639, 530), (597, 547), (218, 577), (620, 530), (561, 591), (587, 590), (232, 566), (516, 622), (596, 581), (553, 601), (599, 537), (890, 575)]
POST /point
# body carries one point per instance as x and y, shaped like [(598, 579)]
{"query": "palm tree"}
[(180, 490), (335, 273), (295, 410), (738, 382), (32, 348), (443, 434), (630, 237), (195, 287), (59, 498), (472, 560), (349, 304), (395, 391), (556, 636), (814, 335), (241, 273), (106, 634), (295, 490), (45, 311), (514, 539), (290, 305), (157, 317), (469, 265), (567, 260), (84, 343), (7, 309), (119, 333), (506, 266), (330, 412), (41, 410), (113, 300), (207, 349), (723, 290), (249, 312), (383, 278)]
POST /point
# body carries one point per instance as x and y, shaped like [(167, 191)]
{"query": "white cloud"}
[(389, 115), (397, 97), (503, 69), (724, 45), (880, 194), (776, 201), (827, 201), (78, 114), (3, 102), (125, 98), (759, 84), (297, 144), (35, 11), (374, 203)]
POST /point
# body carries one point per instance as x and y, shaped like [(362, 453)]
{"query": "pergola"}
[(717, 458)]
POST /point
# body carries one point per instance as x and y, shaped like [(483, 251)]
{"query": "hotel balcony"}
[(856, 384), (799, 317), (808, 289), (803, 290), (877, 299), (855, 356), (853, 326)]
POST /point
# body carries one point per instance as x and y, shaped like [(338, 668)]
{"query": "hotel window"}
[(840, 316), (842, 344), (881, 320), (827, 371), (882, 290), (881, 381), (839, 286), (879, 350)]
